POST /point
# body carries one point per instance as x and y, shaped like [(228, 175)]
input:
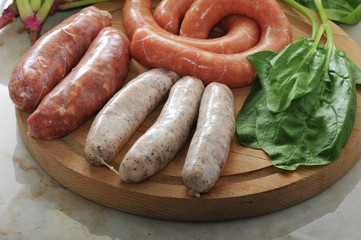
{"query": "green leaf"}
[(314, 129), (260, 61), (246, 118), (352, 18), (348, 11), (294, 72), (356, 71)]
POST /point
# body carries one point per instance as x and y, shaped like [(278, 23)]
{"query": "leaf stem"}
[(306, 13), (35, 5), (24, 9), (321, 30), (44, 10), (81, 3), (9, 15), (325, 23)]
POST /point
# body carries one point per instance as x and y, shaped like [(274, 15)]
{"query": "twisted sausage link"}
[(155, 47), (242, 32)]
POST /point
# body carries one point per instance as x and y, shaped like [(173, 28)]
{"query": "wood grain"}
[(249, 184)]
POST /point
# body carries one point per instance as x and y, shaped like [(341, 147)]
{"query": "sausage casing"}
[(124, 112), (85, 90), (169, 14), (210, 144), (53, 56), (243, 34), (155, 49), (159, 145)]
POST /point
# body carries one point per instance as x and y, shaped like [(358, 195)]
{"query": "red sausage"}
[(155, 49), (53, 56), (203, 15), (99, 74), (242, 35), (169, 13)]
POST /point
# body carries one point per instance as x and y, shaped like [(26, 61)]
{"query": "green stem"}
[(321, 30), (80, 3), (35, 5), (306, 13), (329, 44), (24, 9), (44, 10), (325, 23)]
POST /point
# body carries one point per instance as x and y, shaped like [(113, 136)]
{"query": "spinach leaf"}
[(356, 71), (314, 129), (294, 72), (348, 11), (318, 121), (246, 118)]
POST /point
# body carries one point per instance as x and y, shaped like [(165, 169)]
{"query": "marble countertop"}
[(34, 206)]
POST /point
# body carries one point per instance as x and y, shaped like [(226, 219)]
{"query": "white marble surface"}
[(34, 206)]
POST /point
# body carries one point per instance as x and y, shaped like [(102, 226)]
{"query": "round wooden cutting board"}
[(249, 184)]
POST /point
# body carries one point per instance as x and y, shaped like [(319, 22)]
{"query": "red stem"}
[(9, 15), (34, 35), (55, 6), (4, 21), (32, 23)]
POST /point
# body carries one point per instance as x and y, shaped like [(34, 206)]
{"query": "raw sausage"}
[(210, 144), (155, 49), (53, 56), (242, 34), (169, 14), (203, 15), (158, 146), (94, 80), (124, 112)]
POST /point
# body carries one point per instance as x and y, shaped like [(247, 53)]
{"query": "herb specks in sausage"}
[(124, 113), (167, 135)]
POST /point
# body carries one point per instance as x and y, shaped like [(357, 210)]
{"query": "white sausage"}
[(210, 144), (158, 146), (124, 113)]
